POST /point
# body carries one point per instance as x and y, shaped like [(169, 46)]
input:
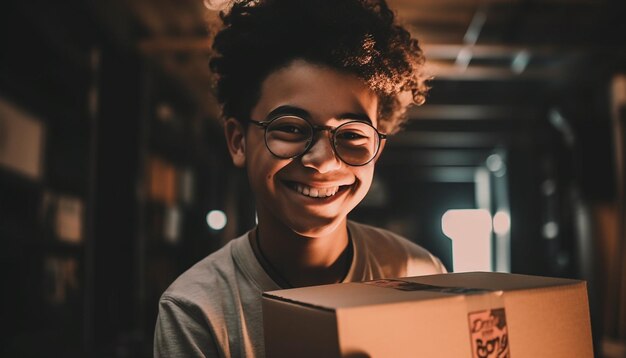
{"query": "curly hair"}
[(359, 37)]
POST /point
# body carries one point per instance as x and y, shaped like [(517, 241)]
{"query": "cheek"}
[(263, 169), (365, 176)]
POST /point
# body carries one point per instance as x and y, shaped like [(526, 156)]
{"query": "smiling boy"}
[(309, 91)]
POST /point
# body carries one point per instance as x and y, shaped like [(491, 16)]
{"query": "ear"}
[(235, 134)]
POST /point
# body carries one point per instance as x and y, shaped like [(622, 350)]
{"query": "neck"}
[(295, 260)]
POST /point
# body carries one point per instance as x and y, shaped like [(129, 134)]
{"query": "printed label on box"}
[(489, 334)]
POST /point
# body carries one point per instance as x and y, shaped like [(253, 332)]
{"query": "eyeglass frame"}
[(316, 129)]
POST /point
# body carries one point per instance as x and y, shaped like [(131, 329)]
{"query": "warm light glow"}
[(520, 62), (548, 187), (501, 222), (470, 232), (550, 230), (216, 219), (495, 163)]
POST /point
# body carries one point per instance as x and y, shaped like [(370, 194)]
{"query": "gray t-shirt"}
[(214, 308)]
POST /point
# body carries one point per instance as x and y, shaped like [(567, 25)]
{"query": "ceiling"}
[(493, 62)]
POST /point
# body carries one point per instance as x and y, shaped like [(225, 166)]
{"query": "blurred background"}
[(114, 177)]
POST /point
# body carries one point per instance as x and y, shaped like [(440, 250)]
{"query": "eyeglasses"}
[(356, 143)]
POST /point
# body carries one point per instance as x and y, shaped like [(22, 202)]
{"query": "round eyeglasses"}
[(356, 142)]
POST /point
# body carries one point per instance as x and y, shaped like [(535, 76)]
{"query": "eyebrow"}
[(288, 110), (358, 116), (300, 112)]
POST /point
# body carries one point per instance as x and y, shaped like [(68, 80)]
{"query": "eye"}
[(353, 136), (350, 135), (288, 128)]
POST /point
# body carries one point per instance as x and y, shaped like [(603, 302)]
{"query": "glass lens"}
[(356, 143), (288, 136)]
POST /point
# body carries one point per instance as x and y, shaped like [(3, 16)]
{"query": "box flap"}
[(494, 281), (346, 295)]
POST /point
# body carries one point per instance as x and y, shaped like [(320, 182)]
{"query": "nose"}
[(321, 156)]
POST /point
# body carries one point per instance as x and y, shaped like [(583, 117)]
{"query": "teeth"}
[(316, 192)]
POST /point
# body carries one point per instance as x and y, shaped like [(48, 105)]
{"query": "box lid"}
[(378, 292)]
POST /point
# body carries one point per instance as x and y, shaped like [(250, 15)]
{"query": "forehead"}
[(324, 93)]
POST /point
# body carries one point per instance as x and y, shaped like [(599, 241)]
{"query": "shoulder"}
[(212, 298), (189, 310), (205, 279), (388, 247), (378, 237)]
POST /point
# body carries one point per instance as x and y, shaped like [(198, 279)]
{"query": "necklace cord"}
[(349, 258), (258, 245)]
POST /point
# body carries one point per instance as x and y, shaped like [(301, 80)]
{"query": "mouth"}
[(317, 193)]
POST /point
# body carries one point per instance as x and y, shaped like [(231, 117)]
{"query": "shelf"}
[(62, 248)]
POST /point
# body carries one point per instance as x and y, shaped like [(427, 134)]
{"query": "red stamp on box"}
[(489, 334)]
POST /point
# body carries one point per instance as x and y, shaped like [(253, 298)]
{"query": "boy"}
[(309, 91)]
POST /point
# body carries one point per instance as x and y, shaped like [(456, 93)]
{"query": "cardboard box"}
[(475, 314)]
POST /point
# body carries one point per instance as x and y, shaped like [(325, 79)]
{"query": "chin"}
[(316, 228)]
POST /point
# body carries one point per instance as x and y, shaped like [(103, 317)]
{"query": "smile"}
[(312, 192)]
